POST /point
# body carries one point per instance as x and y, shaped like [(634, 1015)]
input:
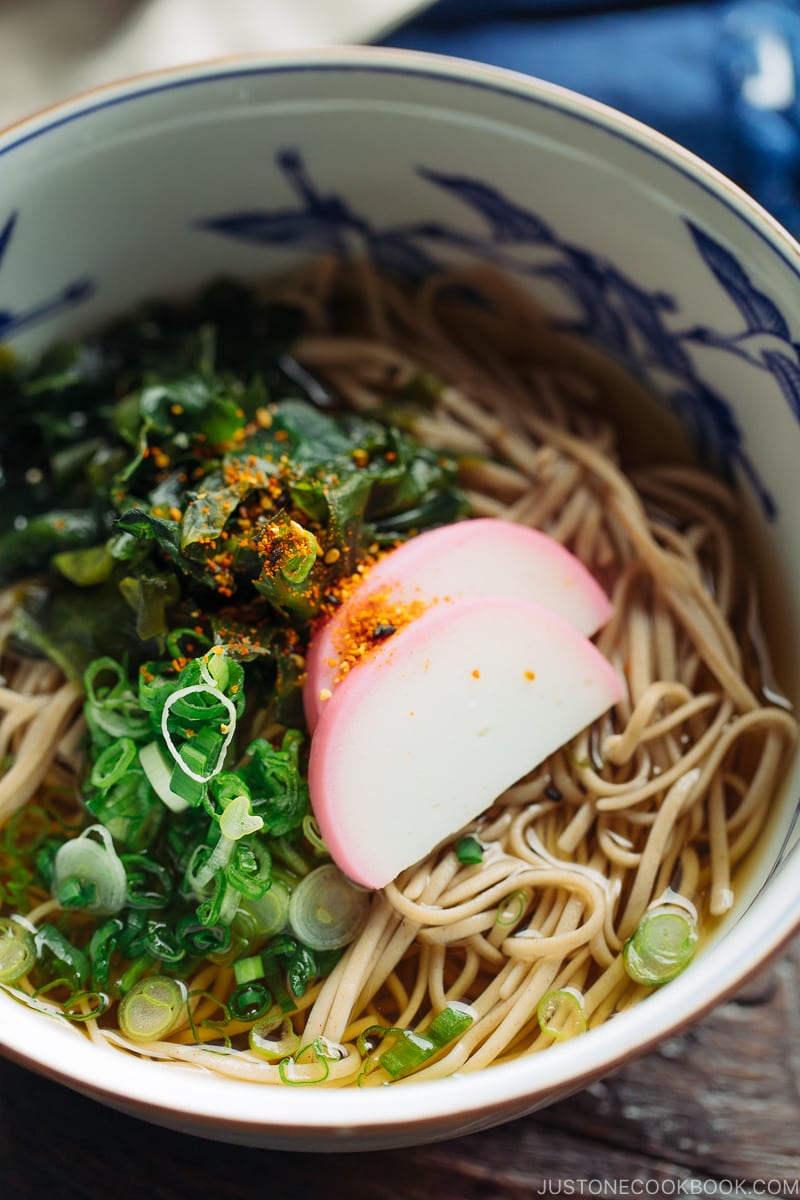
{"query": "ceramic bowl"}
[(246, 167)]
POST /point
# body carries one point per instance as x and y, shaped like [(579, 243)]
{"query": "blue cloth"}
[(720, 78)]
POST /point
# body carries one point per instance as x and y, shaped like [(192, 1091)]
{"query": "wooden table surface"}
[(714, 1112)]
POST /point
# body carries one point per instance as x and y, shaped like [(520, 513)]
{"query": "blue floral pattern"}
[(13, 321), (639, 326)]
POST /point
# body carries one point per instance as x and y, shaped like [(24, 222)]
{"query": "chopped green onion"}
[(289, 855), (113, 763), (104, 667), (85, 1006), (17, 950), (113, 711), (249, 1001), (245, 970), (413, 1050), (221, 906), (202, 940), (326, 910), (450, 1023), (237, 821), (139, 868), (134, 929), (469, 851), (250, 869), (89, 874), (561, 1013), (662, 946), (128, 810), (155, 685), (214, 669), (301, 968), (102, 945), (313, 836), (158, 772), (287, 1068), (511, 910), (74, 893), (274, 978), (270, 912), (228, 730), (70, 958), (219, 1025), (162, 943), (149, 1011), (274, 1038)]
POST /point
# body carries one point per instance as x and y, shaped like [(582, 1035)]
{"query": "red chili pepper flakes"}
[(369, 623)]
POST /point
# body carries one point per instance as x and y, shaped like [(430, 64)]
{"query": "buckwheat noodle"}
[(667, 794)]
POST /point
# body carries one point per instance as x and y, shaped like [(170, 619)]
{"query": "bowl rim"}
[(228, 1105)]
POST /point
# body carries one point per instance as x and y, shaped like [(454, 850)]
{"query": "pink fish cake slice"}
[(440, 720)]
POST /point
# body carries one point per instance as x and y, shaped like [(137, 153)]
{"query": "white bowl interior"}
[(247, 168)]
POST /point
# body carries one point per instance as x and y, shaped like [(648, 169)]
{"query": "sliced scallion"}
[(203, 940), (270, 912), (313, 836), (227, 730), (245, 970), (102, 945), (510, 911), (249, 1001), (148, 1012), (326, 910), (17, 950), (86, 1006), (469, 851), (237, 821), (149, 885), (274, 1039), (294, 1073), (561, 1013), (88, 873), (158, 772), (112, 763), (412, 1050), (662, 946), (162, 943), (70, 960)]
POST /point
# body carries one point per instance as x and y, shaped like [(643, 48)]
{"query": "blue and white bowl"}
[(249, 166)]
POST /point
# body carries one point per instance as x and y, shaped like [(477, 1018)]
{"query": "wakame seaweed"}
[(182, 460)]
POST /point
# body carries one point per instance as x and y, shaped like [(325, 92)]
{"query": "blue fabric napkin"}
[(720, 78)]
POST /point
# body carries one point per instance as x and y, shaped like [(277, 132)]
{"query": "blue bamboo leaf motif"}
[(787, 373), (761, 315), (319, 223), (644, 312), (700, 335), (595, 317), (507, 221), (70, 295), (285, 228)]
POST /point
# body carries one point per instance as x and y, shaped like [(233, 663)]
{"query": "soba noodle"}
[(663, 797)]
